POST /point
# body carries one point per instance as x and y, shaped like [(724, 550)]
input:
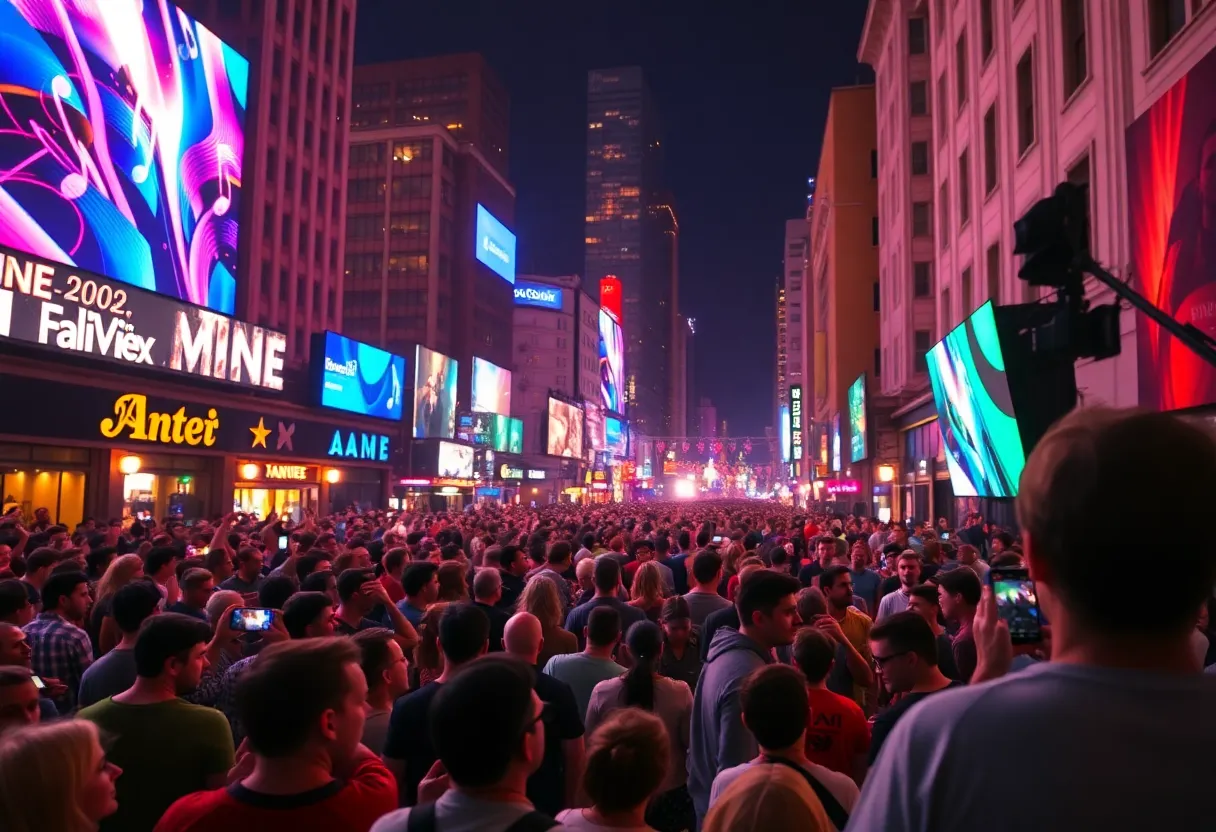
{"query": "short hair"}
[(350, 581), (12, 675), (302, 609), (317, 581), (486, 582), (607, 573), (560, 552), (1005, 537), (775, 705), (603, 626), (909, 554), (166, 636), (763, 593), (417, 576), (375, 655), (706, 566), (928, 592), (908, 632), (1006, 559), (195, 578), (814, 653), (449, 551), (476, 744), (313, 671), (962, 582), (829, 576), (675, 608), (13, 597), (159, 558), (308, 563), (41, 559), (491, 556), (464, 629), (811, 603), (135, 603), (275, 590), (60, 586), (394, 558), (627, 760)]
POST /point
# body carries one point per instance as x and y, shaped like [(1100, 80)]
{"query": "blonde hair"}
[(541, 599), (730, 561), (39, 767), (648, 584), (118, 574)]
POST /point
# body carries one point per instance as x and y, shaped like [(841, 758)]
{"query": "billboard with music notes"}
[(121, 144)]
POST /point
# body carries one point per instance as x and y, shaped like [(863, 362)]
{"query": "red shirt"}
[(837, 732), (352, 806), (396, 592)]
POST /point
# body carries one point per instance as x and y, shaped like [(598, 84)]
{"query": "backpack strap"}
[(836, 813), (532, 822), (421, 819)]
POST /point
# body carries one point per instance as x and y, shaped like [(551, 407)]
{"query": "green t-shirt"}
[(166, 751)]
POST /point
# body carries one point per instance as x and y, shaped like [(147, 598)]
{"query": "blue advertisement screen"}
[(614, 433), (360, 378), (538, 294), (495, 245), (786, 432)]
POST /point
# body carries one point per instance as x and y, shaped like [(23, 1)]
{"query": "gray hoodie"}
[(718, 739)]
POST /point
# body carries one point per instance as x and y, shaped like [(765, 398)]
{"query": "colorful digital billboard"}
[(858, 439), (612, 364), (539, 295), (491, 388), (455, 461), (565, 436), (495, 245), (616, 435), (356, 377), (836, 466), (434, 395), (594, 432), (783, 416), (797, 432)]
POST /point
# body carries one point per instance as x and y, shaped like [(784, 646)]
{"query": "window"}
[(964, 187), (1078, 175), (1072, 43), (947, 312), (943, 210), (876, 293), (274, 109), (874, 230), (920, 158), (967, 291), (916, 36), (918, 98), (922, 280), (1165, 19), (364, 154), (1025, 85), (985, 29), (922, 220), (943, 110), (873, 164), (990, 154), (992, 266), (960, 63), (365, 190), (922, 340)]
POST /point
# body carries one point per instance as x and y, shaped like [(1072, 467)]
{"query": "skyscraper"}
[(631, 232)]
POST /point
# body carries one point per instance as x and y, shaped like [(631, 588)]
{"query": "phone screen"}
[(282, 541), (251, 619), (38, 683), (1018, 603), (717, 539)]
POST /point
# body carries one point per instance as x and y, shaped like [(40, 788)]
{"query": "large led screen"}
[(612, 363), (857, 419), (615, 435), (975, 410), (836, 466), (121, 144), (434, 395), (594, 432), (565, 430), (1171, 199), (491, 388), (358, 377), (539, 295), (455, 461), (783, 415), (495, 245)]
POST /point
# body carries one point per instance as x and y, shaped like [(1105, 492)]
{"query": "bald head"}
[(522, 637)]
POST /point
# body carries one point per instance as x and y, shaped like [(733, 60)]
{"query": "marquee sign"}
[(796, 422)]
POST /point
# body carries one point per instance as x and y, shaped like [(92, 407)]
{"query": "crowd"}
[(700, 665)]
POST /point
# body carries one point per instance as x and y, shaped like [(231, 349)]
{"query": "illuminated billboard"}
[(857, 419), (539, 295), (594, 431), (356, 377), (491, 388), (612, 364), (836, 466), (611, 296), (616, 436), (783, 416), (455, 461), (495, 245), (434, 395), (797, 433), (122, 134), (565, 430)]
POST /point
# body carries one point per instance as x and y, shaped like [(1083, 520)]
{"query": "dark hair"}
[(41, 559), (308, 563), (829, 576), (195, 578), (394, 558), (704, 536), (417, 576), (317, 581), (559, 552), (313, 671), (13, 597), (907, 632), (275, 590), (163, 637), (675, 608), (464, 629), (706, 566), (627, 760), (99, 557), (1005, 537), (603, 626), (961, 581), (810, 602), (449, 551), (350, 582), (762, 593), (607, 573), (135, 603), (12, 675), (306, 540), (775, 705), (302, 609), (588, 541), (814, 653), (928, 592), (373, 647), (645, 642), (159, 558), (1006, 559), (60, 586)]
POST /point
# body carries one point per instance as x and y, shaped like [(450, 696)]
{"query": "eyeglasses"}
[(545, 714), (881, 661)]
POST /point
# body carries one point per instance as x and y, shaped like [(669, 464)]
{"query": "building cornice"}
[(878, 18)]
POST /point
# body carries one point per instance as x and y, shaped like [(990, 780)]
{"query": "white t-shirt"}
[(575, 819), (840, 786), (1054, 747), (458, 812)]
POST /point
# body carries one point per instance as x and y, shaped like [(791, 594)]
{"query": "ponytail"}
[(645, 643)]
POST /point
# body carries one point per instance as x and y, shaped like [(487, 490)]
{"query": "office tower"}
[(792, 318), (782, 345), (294, 189), (631, 232)]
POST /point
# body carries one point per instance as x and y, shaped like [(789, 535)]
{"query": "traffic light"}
[(1054, 237)]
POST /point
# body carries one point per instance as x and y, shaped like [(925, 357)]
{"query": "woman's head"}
[(627, 759), (118, 574), (541, 599), (55, 776), (453, 585), (648, 584), (429, 655)]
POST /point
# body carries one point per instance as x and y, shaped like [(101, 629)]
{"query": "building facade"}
[(792, 320)]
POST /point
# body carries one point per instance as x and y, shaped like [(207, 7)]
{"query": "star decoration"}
[(259, 434)]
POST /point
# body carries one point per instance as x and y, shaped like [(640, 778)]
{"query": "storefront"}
[(431, 494)]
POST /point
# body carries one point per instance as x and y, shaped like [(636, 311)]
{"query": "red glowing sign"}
[(843, 487), (610, 296)]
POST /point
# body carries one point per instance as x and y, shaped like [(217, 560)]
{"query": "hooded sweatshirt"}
[(718, 738)]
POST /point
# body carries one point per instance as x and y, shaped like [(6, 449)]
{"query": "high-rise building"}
[(797, 244), (631, 232), (294, 175), (707, 419), (782, 345)]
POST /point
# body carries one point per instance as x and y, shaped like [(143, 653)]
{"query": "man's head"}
[(767, 609), (707, 568), (514, 560), (523, 637), (559, 556), (18, 698), (584, 571), (172, 648), (464, 633), (383, 662), (394, 561), (14, 646), (603, 627), (643, 550), (134, 604), (421, 583), (825, 550), (814, 654), (15, 606), (836, 582), (968, 554), (959, 591), (39, 563), (607, 576), (1001, 541), (353, 592), (67, 594), (860, 555), (810, 603), (676, 617), (322, 718), (249, 562), (904, 650), (908, 568), (309, 615), (197, 586), (487, 586), (160, 563), (923, 600), (482, 747), (775, 707)]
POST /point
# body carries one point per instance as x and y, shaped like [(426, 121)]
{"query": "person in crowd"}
[(847, 627), (20, 700), (166, 747), (681, 656), (513, 564), (865, 580), (15, 606), (541, 599), (607, 582), (248, 578), (114, 672), (959, 593), (838, 735), (393, 563), (908, 571), (55, 777), (359, 593), (386, 669), (220, 601), (825, 552), (428, 658), (408, 752), (727, 617), (644, 552), (487, 592), (38, 566), (768, 619), (925, 601), (584, 574), (15, 652), (103, 630), (586, 548), (160, 566), (647, 590), (776, 709), (703, 598), (671, 701), (197, 586), (453, 582), (304, 767), (486, 756), (905, 654), (557, 565), (421, 585), (555, 785), (583, 671), (764, 798), (969, 556), (218, 561), (677, 563), (61, 650)]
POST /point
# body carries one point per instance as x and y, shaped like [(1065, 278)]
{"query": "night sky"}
[(742, 101)]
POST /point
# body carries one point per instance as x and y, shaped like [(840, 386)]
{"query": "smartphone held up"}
[(1017, 603), (251, 619)]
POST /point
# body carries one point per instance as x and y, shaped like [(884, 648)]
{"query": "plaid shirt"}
[(211, 685), (227, 697), (60, 651)]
